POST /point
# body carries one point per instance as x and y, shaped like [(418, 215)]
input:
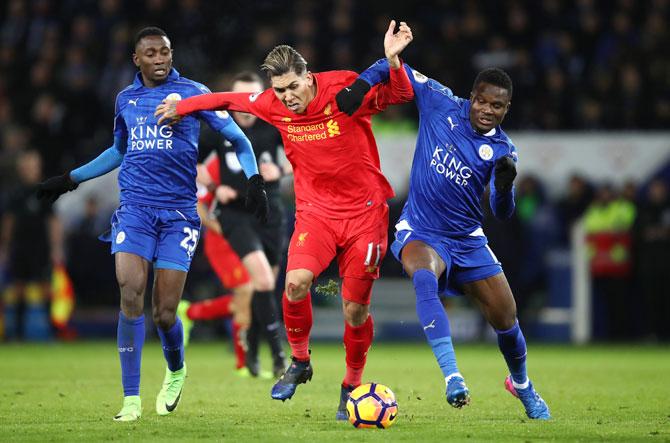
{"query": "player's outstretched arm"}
[(108, 160), (502, 187), (349, 99), (171, 111)]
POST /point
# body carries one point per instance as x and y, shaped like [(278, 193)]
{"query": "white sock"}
[(450, 376), (523, 385)]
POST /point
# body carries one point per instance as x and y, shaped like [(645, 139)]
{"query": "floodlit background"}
[(587, 252)]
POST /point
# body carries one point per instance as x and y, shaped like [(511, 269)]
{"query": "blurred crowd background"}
[(582, 65)]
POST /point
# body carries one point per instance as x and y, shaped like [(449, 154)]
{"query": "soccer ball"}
[(372, 406)]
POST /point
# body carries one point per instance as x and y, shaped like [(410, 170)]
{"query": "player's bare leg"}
[(424, 265), (168, 287), (495, 299), (298, 323), (131, 274)]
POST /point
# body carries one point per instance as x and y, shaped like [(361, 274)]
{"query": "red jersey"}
[(214, 170), (334, 156)]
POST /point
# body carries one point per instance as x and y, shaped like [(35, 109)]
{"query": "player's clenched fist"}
[(54, 187), (257, 198), (505, 173)]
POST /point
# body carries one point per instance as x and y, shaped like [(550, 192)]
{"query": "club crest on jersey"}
[(222, 114), (253, 97), (486, 152), (120, 237), (173, 96), (419, 77)]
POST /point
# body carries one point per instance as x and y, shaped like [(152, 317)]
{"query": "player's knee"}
[(164, 318), (130, 286), (355, 314), (296, 289)]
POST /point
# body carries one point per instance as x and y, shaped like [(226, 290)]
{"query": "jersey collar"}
[(172, 76)]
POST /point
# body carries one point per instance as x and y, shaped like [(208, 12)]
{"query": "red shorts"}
[(225, 262), (359, 243)]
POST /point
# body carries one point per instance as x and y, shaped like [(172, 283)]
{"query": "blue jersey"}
[(452, 162), (159, 165)]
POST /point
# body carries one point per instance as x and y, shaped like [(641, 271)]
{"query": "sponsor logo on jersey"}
[(141, 120), (445, 162), (301, 238), (148, 137), (333, 128), (451, 123), (316, 131), (486, 152)]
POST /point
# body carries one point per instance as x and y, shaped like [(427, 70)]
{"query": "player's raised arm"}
[(349, 99)]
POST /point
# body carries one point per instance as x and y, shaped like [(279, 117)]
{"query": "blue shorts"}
[(467, 259), (166, 237)]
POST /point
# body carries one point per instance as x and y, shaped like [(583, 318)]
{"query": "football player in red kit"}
[(340, 192)]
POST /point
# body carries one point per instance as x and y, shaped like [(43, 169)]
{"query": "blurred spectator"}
[(652, 253), (93, 278), (573, 205), (30, 243), (536, 218), (608, 222)]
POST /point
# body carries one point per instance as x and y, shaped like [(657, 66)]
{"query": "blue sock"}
[(434, 320), (512, 344), (130, 339), (173, 345)]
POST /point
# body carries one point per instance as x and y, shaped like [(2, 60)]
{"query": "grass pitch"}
[(67, 392)]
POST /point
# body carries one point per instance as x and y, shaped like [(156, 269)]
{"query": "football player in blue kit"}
[(156, 222), (439, 240)]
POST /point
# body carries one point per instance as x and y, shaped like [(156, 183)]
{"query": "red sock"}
[(298, 324), (210, 309), (357, 341), (240, 353)]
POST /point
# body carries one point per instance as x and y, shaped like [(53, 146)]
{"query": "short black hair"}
[(149, 31), (495, 77)]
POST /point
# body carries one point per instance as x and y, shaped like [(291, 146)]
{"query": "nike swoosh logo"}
[(392, 417), (171, 407)]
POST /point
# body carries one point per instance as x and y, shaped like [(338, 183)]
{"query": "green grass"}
[(66, 392)]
